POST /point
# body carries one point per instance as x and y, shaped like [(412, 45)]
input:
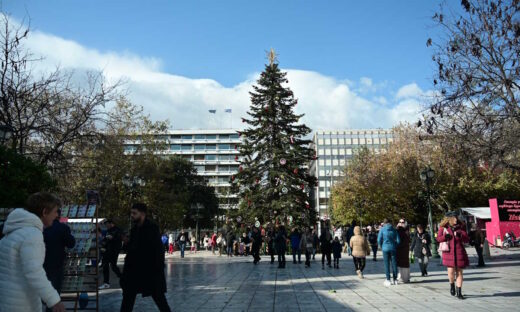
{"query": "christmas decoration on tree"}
[(273, 175)]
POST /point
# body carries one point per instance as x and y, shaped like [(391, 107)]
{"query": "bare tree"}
[(46, 110), (476, 108)]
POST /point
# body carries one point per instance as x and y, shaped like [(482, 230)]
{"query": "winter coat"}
[(143, 271), (295, 240), (56, 238), (23, 283), (388, 238), (350, 233), (403, 249), (372, 238), (256, 238), (457, 256), (306, 243), (417, 244), (280, 241), (113, 242), (359, 244), (336, 249), (325, 241)]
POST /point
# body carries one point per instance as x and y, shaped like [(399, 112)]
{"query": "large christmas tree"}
[(273, 178)]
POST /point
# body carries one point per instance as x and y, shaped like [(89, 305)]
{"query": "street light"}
[(6, 133), (197, 206), (427, 176)]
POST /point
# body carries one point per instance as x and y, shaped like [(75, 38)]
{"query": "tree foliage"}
[(273, 178)]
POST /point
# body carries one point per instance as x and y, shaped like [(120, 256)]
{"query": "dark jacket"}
[(56, 238), (280, 240), (417, 244), (336, 249), (325, 241), (112, 242), (350, 233), (143, 271), (257, 238), (230, 237), (295, 240), (372, 238), (403, 259)]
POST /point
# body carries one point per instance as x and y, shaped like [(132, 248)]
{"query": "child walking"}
[(336, 251)]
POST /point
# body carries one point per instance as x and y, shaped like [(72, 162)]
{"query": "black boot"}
[(459, 293), (452, 289)]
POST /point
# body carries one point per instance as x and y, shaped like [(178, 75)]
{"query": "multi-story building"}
[(335, 149), (214, 153)]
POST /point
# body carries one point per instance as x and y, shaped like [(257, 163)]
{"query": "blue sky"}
[(379, 45)]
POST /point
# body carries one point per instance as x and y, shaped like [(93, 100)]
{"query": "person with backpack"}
[(372, 239), (57, 238), (421, 242), (388, 238), (23, 281), (112, 245)]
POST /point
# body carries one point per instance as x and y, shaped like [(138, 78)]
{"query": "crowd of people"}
[(34, 243)]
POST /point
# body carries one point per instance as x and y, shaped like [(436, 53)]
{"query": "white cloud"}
[(327, 103)]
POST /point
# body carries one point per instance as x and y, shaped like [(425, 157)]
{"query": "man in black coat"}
[(143, 271), (256, 237), (56, 238), (112, 245)]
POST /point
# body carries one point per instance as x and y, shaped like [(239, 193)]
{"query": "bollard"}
[(485, 252)]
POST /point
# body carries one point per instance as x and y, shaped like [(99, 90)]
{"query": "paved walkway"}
[(205, 282)]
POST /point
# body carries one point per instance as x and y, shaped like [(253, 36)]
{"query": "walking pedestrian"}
[(213, 242), (182, 239), (307, 246), (403, 252), (281, 245), (344, 231), (336, 251), (23, 282), (143, 271), (326, 246), (270, 238), (295, 245), (360, 249), (112, 245), (372, 239), (388, 238), (171, 243), (164, 240), (256, 238), (421, 242), (57, 237), (350, 233), (315, 243), (455, 258), (477, 240), (230, 239), (193, 244)]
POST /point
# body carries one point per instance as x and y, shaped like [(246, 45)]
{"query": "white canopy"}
[(479, 212)]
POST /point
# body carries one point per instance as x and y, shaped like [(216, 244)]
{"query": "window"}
[(187, 157), (233, 168), (199, 168), (200, 136), (210, 157), (175, 147), (211, 137), (186, 147), (223, 168), (223, 136), (200, 147), (224, 147), (211, 168), (321, 162), (211, 147), (199, 157), (175, 137), (130, 148), (233, 136), (223, 180), (187, 137), (224, 157)]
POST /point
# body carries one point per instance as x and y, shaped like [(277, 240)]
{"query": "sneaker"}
[(104, 286), (395, 282), (358, 272), (361, 276), (387, 283)]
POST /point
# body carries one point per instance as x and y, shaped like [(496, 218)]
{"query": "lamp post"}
[(6, 133), (197, 206), (132, 183), (426, 176)]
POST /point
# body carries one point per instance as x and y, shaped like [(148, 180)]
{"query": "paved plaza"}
[(206, 282)]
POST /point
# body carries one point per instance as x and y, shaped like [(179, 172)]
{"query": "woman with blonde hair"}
[(360, 250), (452, 237)]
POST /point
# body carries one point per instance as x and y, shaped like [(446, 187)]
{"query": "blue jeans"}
[(389, 258), (297, 251), (182, 246)]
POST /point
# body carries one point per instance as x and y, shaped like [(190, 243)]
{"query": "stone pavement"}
[(206, 282)]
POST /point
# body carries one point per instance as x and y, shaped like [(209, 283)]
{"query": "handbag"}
[(444, 246)]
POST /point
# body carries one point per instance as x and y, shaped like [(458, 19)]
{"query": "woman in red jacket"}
[(452, 232)]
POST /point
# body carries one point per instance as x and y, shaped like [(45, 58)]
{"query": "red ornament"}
[(302, 186), (240, 168), (295, 170), (257, 180), (236, 158), (236, 147), (232, 178), (266, 109)]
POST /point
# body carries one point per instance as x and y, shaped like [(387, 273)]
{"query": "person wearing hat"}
[(454, 257)]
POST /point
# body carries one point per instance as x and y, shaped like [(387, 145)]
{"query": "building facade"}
[(334, 150), (214, 154)]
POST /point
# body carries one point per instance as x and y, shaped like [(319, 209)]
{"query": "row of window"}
[(354, 141), (202, 147), (354, 134), (347, 151), (233, 136), (214, 168)]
